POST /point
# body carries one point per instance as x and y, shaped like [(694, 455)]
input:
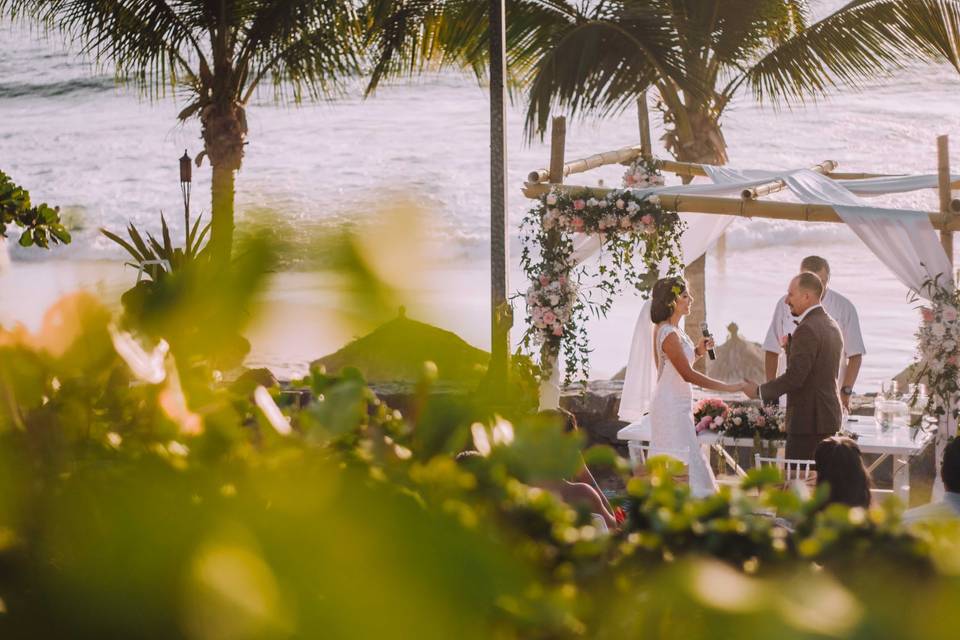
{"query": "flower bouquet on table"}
[(766, 423), (710, 414)]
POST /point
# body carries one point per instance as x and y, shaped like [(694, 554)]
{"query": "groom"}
[(810, 381)]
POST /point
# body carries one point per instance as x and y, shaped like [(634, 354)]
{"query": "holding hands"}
[(750, 389)]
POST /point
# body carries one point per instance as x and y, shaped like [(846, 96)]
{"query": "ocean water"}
[(107, 157)]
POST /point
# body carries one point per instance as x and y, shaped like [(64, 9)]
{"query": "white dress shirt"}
[(838, 307)]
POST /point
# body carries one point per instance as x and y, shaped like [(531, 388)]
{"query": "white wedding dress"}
[(671, 416)]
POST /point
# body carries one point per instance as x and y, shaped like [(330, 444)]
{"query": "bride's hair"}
[(664, 298)]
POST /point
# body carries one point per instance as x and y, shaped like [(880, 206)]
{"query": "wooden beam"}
[(735, 206), (943, 181), (779, 185)]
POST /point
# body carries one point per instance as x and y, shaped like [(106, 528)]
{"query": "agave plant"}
[(156, 259)]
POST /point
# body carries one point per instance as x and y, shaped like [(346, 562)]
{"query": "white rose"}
[(592, 202), (654, 200), (737, 421), (938, 330), (603, 203), (621, 204)]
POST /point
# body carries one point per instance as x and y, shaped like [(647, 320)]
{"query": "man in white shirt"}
[(844, 314)]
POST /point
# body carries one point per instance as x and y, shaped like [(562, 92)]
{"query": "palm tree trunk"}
[(224, 132), (221, 229)]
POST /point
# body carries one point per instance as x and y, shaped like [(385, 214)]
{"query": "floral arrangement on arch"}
[(638, 235), (643, 173), (938, 350), (739, 421)]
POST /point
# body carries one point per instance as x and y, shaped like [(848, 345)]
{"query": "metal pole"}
[(499, 274)]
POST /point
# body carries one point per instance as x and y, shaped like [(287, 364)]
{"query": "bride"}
[(671, 410)]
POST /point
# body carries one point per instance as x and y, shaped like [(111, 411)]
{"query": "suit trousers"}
[(800, 446)]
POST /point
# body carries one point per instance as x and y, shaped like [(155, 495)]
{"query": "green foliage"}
[(41, 224)]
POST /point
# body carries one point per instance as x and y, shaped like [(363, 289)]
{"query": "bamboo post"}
[(549, 356), (947, 424), (643, 114), (943, 179)]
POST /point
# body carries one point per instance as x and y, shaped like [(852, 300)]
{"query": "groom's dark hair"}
[(664, 297), (811, 282)]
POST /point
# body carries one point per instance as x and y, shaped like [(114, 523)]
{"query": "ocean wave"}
[(55, 89)]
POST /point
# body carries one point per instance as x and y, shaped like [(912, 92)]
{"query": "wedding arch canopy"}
[(668, 227)]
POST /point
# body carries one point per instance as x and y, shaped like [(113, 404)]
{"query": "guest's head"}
[(950, 467), (840, 465), (817, 265), (805, 291), (669, 297), (562, 416)]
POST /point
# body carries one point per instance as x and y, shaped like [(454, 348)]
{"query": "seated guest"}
[(949, 507), (840, 466), (583, 491)]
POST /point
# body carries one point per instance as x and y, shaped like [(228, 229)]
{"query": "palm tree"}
[(217, 53)]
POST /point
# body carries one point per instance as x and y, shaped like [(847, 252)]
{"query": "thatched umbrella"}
[(396, 351), (737, 359)]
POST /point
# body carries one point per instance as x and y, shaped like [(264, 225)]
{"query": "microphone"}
[(706, 334)]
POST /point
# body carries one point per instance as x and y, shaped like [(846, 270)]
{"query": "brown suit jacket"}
[(810, 381)]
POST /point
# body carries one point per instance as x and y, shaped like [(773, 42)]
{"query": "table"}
[(898, 442)]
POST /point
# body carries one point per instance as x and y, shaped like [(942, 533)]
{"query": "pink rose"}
[(549, 317), (647, 219), (761, 421), (562, 280), (927, 314), (557, 330), (629, 179), (544, 281), (579, 204), (621, 204), (949, 314), (577, 223), (952, 360), (704, 423)]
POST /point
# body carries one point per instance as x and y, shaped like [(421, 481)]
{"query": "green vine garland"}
[(562, 296)]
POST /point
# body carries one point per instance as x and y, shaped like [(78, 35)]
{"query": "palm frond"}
[(306, 46), (146, 40), (407, 37), (859, 41), (601, 67)]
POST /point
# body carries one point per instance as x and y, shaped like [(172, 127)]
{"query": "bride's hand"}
[(703, 346)]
